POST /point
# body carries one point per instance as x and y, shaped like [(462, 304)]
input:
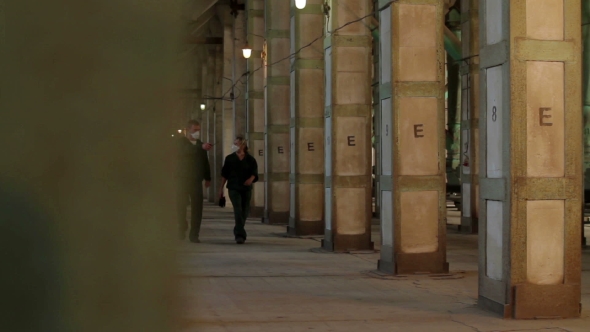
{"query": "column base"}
[(503, 310), (256, 212), (386, 267), (428, 263), (421, 263), (469, 225), (346, 243), (547, 301), (305, 227), (276, 218), (538, 302)]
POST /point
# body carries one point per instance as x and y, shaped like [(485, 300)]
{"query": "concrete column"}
[(228, 135), (228, 89), (255, 101), (209, 116), (586, 93), (531, 158), (199, 113), (218, 145), (276, 173), (214, 90), (197, 82), (586, 99), (240, 76), (307, 121), (348, 127), (453, 117), (376, 134), (413, 215), (469, 157)]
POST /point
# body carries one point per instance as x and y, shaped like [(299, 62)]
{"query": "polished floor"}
[(276, 283)]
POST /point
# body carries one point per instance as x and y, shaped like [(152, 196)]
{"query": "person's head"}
[(193, 130), (240, 144)]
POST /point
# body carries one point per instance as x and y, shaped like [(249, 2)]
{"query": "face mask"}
[(196, 134), (235, 148)]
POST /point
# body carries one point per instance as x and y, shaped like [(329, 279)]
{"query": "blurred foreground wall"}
[(88, 105)]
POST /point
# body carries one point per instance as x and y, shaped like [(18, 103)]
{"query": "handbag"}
[(222, 201)]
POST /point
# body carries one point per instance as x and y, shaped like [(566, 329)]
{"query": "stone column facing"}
[(228, 110), (307, 122), (469, 157), (531, 158), (277, 144), (209, 116), (217, 150), (197, 83), (348, 128), (206, 118), (239, 73), (412, 186), (255, 102)]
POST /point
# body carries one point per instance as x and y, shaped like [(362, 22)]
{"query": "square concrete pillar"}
[(277, 139), (586, 94), (469, 157), (255, 100), (412, 187), (227, 112), (228, 88), (376, 134), (348, 127), (239, 73), (531, 158), (217, 112), (307, 121), (207, 116)]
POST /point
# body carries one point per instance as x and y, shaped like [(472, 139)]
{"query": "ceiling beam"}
[(204, 41), (195, 26), (200, 7)]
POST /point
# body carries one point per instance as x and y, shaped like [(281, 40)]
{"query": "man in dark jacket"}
[(193, 169)]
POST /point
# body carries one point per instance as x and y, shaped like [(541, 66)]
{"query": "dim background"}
[(89, 97)]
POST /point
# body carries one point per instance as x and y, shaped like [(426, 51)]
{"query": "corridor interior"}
[(279, 283)]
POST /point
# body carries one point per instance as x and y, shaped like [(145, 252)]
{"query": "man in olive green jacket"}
[(193, 169)]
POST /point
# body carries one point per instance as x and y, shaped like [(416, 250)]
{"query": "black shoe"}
[(195, 241), (240, 240)]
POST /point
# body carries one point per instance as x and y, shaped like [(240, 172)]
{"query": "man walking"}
[(193, 169)]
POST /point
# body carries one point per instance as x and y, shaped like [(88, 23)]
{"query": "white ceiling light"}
[(300, 4), (247, 51)]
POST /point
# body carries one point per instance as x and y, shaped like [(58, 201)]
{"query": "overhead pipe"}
[(452, 44)]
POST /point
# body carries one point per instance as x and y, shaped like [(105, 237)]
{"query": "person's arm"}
[(205, 146)]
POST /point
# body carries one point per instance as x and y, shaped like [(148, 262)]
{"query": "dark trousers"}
[(193, 190), (241, 202)]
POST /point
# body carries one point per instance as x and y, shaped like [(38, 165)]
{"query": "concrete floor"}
[(275, 283)]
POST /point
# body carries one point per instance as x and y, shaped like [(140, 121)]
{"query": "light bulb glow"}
[(247, 51), (202, 107), (179, 131), (300, 4)]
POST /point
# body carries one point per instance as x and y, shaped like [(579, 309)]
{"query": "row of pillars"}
[(312, 103)]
